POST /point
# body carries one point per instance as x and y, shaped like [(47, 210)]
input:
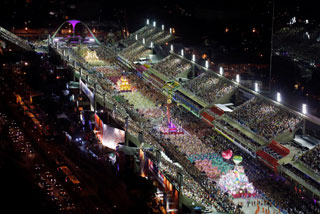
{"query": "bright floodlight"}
[(221, 71), (136, 37), (278, 97), (151, 44), (170, 30), (256, 87), (207, 64), (182, 52), (91, 39), (162, 27), (238, 78), (147, 21), (193, 58), (171, 48), (304, 108), (144, 41), (154, 23)]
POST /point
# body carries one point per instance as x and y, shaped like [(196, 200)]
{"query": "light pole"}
[(271, 44)]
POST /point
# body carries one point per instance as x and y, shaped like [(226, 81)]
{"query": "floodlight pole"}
[(271, 45)]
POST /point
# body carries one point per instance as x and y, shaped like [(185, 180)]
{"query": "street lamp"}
[(193, 58), (238, 78), (147, 21), (182, 52), (162, 27), (278, 97), (256, 87), (221, 71), (207, 64), (304, 108), (170, 30), (171, 48), (136, 37), (154, 23)]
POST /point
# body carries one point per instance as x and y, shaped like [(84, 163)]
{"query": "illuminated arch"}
[(74, 23)]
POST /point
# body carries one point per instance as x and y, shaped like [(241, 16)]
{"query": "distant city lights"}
[(293, 20)]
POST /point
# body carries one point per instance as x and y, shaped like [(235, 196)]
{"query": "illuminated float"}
[(236, 182), (123, 84)]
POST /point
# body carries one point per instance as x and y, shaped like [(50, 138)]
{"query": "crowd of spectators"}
[(265, 118), (208, 87), (235, 131), (131, 39), (172, 65), (129, 52), (313, 184), (201, 139), (312, 159)]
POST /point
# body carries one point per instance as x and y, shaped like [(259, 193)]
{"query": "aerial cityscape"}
[(160, 107)]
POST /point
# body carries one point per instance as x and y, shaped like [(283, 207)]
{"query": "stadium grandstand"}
[(209, 115)]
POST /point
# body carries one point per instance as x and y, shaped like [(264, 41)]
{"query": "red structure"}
[(278, 148), (217, 110), (268, 160)]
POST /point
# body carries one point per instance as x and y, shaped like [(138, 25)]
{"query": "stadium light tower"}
[(162, 27), (256, 87), (171, 48), (144, 41), (170, 30), (221, 71), (193, 58), (148, 22), (278, 97), (154, 23), (182, 52), (238, 78), (304, 108), (151, 44), (207, 64), (136, 36)]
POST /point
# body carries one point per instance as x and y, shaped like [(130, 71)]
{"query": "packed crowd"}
[(132, 37), (130, 52), (172, 65), (201, 140), (265, 118), (208, 87), (104, 52), (312, 159), (235, 132)]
